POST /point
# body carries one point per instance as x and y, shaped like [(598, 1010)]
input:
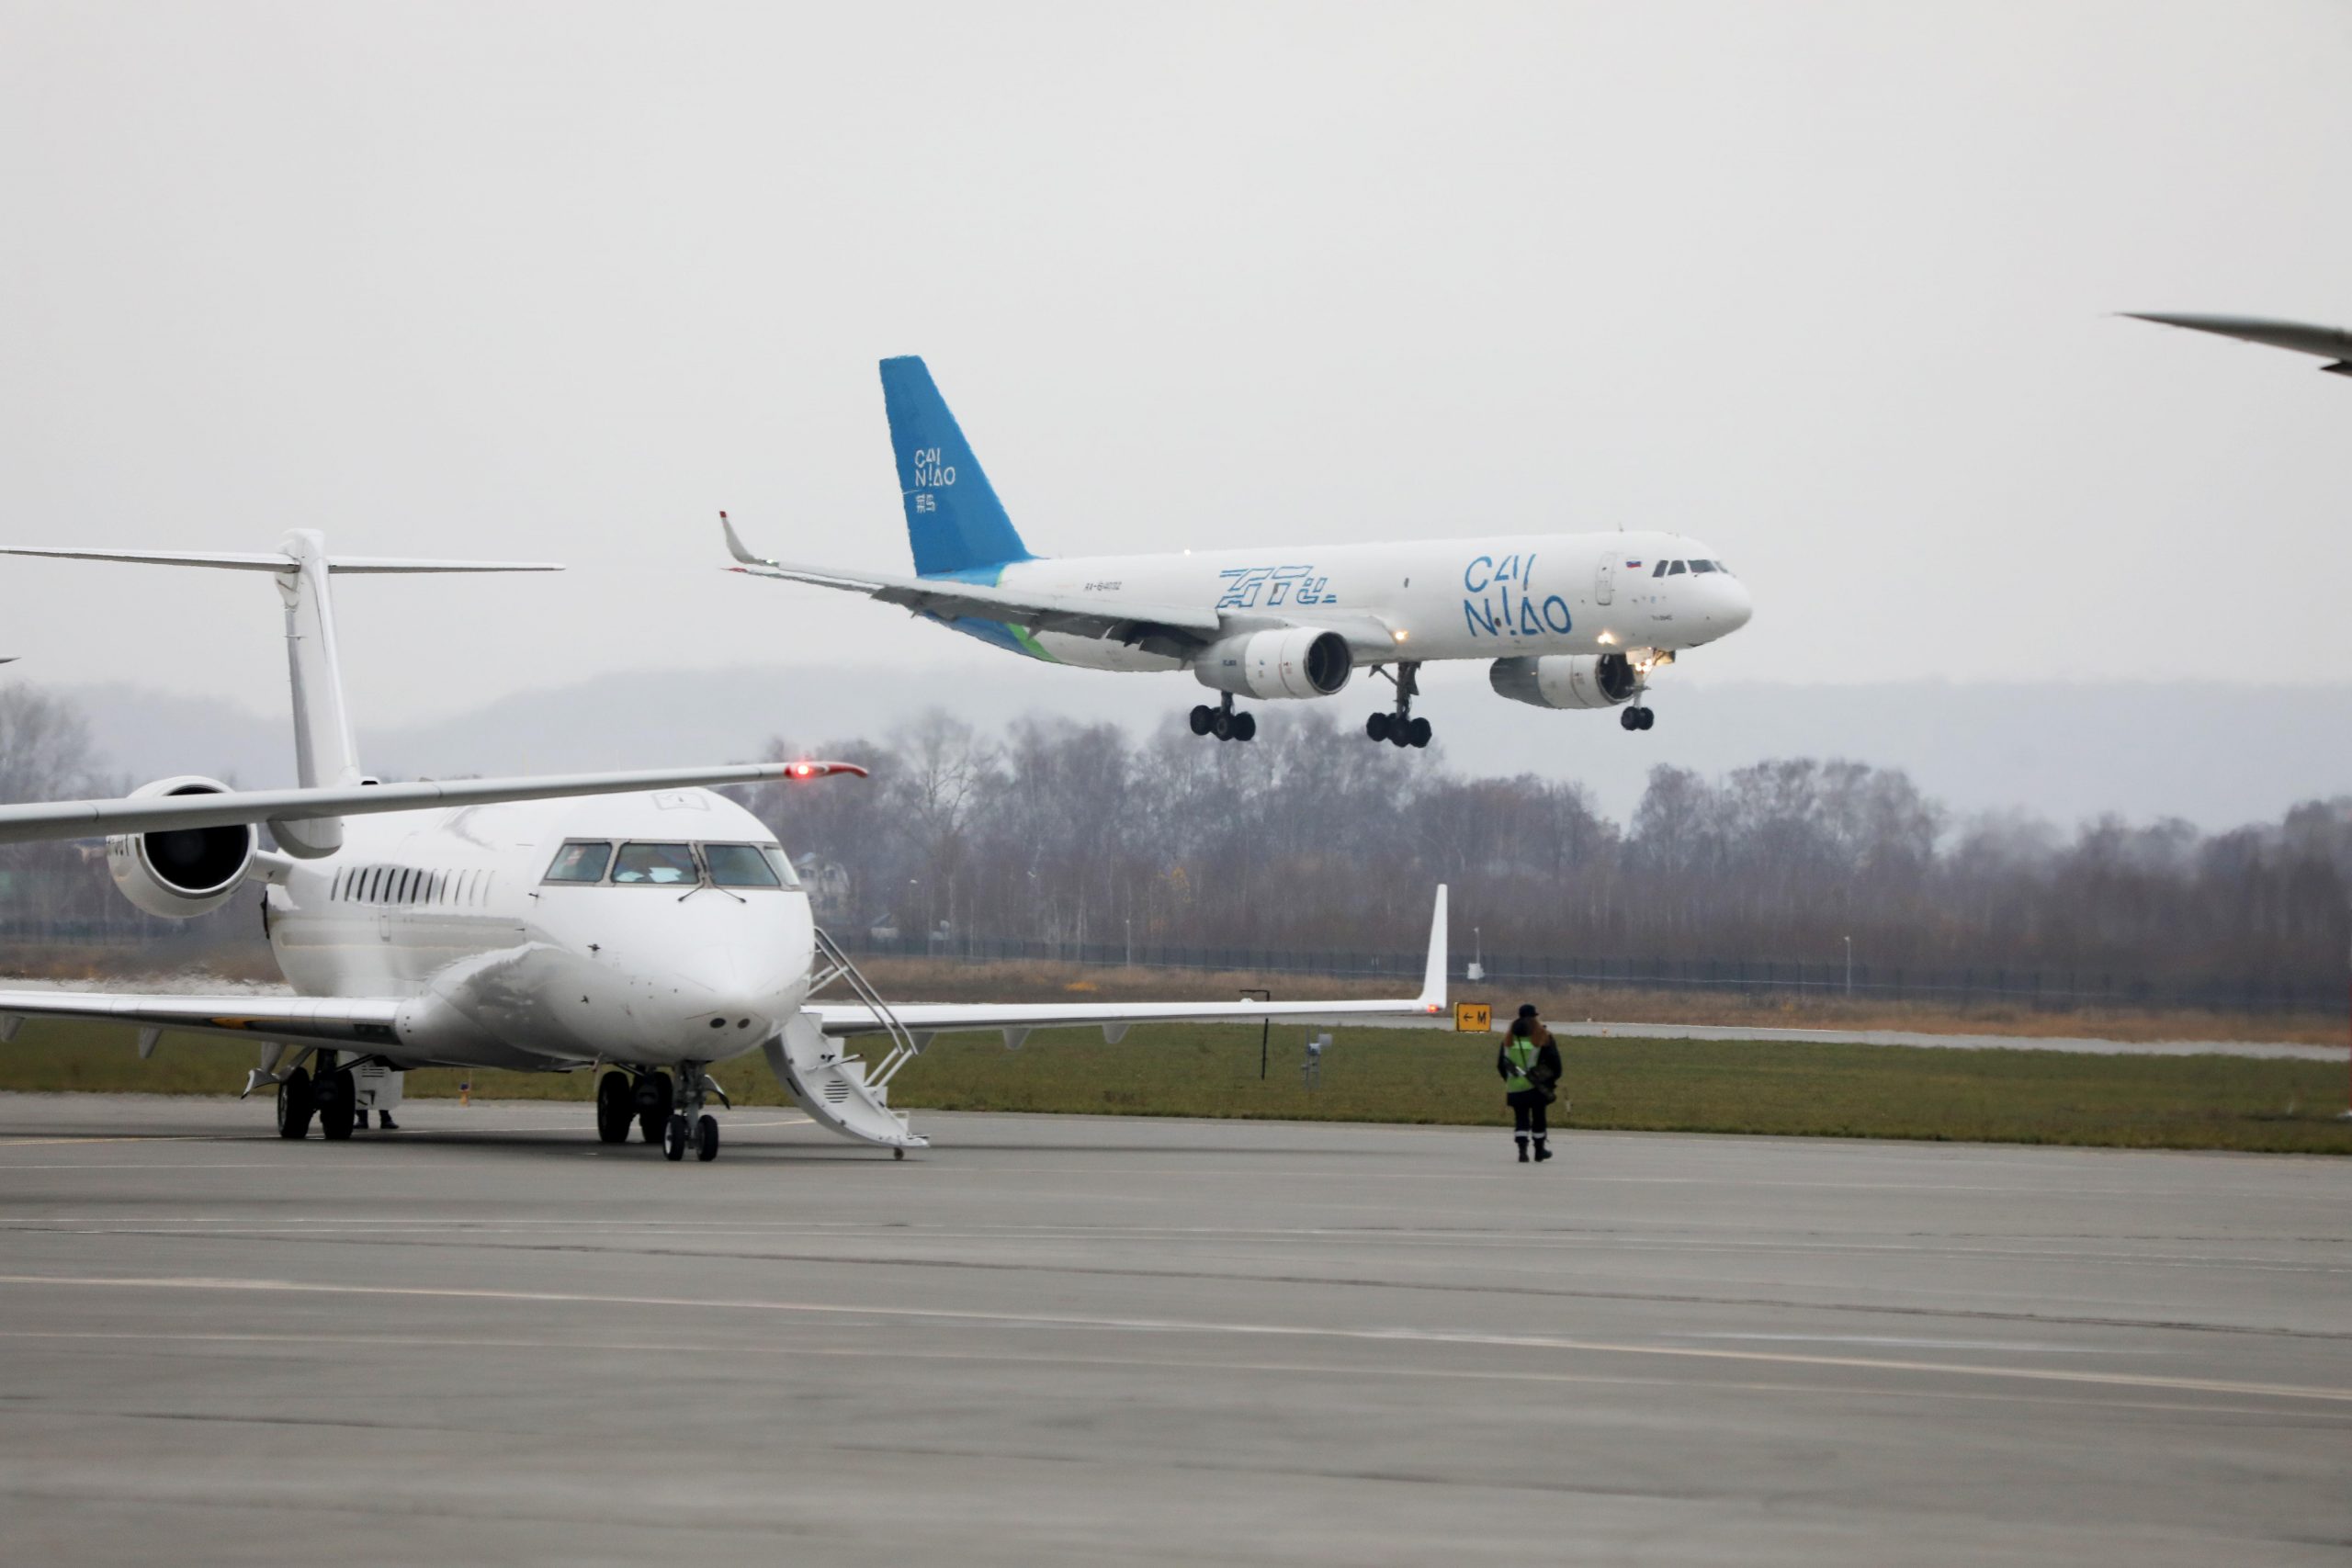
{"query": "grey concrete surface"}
[(2080, 1044), (1067, 1341)]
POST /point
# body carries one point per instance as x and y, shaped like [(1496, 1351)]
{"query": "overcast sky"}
[(1829, 286)]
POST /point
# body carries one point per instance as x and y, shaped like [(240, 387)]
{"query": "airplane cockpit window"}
[(783, 864), (667, 865), (1677, 570), (579, 862), (1700, 566), (1659, 570), (738, 865)]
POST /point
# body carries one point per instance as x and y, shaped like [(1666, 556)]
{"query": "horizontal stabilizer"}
[(237, 562)]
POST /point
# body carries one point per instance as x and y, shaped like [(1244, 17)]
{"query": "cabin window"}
[(738, 865), (580, 863), (667, 865)]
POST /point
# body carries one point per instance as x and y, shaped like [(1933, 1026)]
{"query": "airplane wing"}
[(357, 1021), (947, 598), (160, 814), (2297, 337), (944, 1018)]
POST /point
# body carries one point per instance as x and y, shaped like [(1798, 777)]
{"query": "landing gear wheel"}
[(1631, 718), (1400, 733), (707, 1139), (1377, 726), (338, 1096), (1245, 727), (673, 1139), (1648, 717), (1204, 717), (897, 1154), (294, 1104), (654, 1099), (1418, 733), (1221, 724), (615, 1108)]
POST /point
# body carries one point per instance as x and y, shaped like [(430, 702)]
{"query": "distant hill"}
[(2217, 754)]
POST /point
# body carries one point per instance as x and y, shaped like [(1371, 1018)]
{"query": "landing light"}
[(1607, 637), (1400, 636)]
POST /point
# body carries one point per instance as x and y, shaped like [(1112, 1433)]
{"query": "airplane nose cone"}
[(1738, 603), (724, 995)]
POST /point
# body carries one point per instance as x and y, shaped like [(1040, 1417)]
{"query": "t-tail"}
[(953, 520)]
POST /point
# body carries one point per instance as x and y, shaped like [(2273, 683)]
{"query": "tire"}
[(1631, 718), (652, 1118), (1400, 735), (1648, 717), (615, 1108), (707, 1150), (295, 1106), (673, 1139), (338, 1098), (1418, 733), (1221, 724), (1245, 727), (1377, 726), (1203, 716)]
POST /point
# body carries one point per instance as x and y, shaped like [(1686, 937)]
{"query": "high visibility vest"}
[(1520, 1052)]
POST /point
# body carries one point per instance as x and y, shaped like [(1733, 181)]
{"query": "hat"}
[(1527, 1009)]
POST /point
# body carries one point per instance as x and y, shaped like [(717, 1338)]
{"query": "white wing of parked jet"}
[(948, 597), (944, 1018), (360, 1019), (162, 814)]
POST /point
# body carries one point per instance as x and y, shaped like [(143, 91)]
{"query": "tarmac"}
[(488, 1338)]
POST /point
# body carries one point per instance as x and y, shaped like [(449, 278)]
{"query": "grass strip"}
[(1373, 1075)]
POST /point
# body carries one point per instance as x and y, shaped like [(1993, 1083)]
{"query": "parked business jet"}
[(643, 934), (1568, 620)]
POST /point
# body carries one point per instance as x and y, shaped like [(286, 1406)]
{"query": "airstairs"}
[(846, 1093)]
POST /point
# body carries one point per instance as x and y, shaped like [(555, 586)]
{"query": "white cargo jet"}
[(644, 933), (1568, 620)]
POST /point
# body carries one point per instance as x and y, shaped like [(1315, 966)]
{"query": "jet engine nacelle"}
[(188, 871), (1296, 661), (1566, 680)]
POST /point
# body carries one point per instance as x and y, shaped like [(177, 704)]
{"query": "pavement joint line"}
[(830, 1352), (1178, 1326)]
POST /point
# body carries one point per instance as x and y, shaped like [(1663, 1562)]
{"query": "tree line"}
[(1310, 841)]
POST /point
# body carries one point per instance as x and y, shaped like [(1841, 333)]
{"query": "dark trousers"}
[(1527, 1110)]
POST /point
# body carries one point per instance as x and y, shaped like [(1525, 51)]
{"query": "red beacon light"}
[(822, 770)]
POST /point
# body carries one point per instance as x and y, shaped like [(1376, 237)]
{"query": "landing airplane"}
[(1569, 620), (2328, 342), (643, 934)]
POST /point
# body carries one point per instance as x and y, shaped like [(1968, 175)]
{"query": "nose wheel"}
[(1401, 728), (1637, 718), (1222, 722), (687, 1125)]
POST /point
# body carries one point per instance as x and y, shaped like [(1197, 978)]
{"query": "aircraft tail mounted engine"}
[(1295, 662), (185, 872), (1566, 680)]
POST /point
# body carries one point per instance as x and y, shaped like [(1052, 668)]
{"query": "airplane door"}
[(1605, 583)]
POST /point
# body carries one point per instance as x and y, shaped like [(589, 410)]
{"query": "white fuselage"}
[(1493, 598), (451, 911)]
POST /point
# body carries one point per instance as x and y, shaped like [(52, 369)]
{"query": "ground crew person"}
[(1529, 1065)]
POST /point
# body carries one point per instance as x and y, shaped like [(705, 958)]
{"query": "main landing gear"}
[(1400, 727), (330, 1097), (1637, 718), (1222, 722)]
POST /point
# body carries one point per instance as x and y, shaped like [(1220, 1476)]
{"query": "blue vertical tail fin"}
[(954, 519)]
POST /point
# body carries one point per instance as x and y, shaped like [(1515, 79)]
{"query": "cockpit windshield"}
[(673, 866), (738, 865), (666, 865)]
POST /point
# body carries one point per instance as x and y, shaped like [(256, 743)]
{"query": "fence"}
[(2054, 989)]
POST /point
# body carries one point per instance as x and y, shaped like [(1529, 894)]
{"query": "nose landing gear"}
[(1222, 722), (689, 1127), (1400, 727), (1637, 718)]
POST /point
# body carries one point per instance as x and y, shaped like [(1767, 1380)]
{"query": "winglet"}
[(735, 545), (1432, 997)]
